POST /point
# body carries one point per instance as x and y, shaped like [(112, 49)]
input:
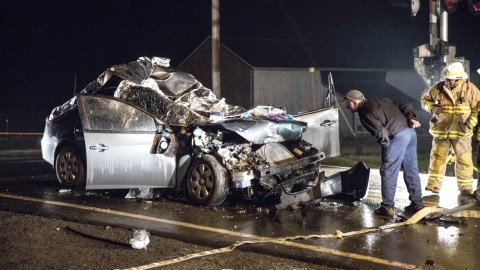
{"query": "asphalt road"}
[(326, 232)]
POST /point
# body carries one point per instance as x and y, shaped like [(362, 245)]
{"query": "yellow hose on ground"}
[(337, 234)]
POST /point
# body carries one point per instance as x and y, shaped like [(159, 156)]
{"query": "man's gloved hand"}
[(384, 141)]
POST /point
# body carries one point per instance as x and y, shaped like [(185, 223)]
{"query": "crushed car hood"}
[(261, 131)]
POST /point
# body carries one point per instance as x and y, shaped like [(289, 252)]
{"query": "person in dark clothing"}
[(392, 124)]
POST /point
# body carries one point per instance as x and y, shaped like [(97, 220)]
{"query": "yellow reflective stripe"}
[(451, 134), (465, 107), (448, 111), (449, 137), (427, 106), (452, 111), (455, 132), (456, 109), (472, 121), (463, 110), (428, 103), (464, 181), (435, 177)]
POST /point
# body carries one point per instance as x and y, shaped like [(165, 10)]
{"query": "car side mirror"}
[(161, 142)]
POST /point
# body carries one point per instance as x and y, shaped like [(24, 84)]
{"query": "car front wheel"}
[(70, 168), (206, 182)]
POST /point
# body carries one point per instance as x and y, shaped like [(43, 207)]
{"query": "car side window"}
[(103, 114)]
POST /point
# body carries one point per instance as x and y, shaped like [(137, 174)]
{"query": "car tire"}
[(70, 168), (206, 182)]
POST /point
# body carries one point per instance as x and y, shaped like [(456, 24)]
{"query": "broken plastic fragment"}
[(140, 239), (139, 193), (246, 115)]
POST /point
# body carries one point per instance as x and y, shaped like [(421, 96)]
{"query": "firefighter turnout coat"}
[(452, 127), (459, 110)]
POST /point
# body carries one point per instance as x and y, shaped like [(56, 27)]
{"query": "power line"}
[(295, 27)]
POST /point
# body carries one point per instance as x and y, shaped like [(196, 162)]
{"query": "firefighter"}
[(453, 104), (476, 194)]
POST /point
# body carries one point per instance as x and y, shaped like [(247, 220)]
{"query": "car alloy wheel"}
[(70, 168), (207, 182)]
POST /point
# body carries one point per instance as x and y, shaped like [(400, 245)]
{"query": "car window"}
[(105, 114)]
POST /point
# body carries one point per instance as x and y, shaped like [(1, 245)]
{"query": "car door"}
[(120, 142), (323, 129)]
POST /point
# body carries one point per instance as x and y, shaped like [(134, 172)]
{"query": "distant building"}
[(242, 83)]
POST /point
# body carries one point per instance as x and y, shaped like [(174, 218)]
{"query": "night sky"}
[(50, 47)]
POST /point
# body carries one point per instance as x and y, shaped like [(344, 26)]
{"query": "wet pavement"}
[(447, 243)]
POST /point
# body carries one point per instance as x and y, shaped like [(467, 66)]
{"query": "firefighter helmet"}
[(454, 71)]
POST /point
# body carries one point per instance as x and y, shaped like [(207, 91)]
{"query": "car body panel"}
[(119, 161), (323, 130), (261, 131), (61, 130), (120, 146)]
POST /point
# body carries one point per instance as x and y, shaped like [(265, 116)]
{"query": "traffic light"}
[(450, 5), (474, 7)]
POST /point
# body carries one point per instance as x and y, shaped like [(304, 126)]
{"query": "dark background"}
[(50, 48)]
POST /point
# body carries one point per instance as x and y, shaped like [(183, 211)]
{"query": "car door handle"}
[(327, 123), (99, 147)]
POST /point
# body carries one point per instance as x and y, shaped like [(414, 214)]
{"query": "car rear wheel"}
[(70, 168), (206, 182)]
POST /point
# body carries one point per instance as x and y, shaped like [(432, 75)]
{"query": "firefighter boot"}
[(466, 190), (434, 186), (476, 195)]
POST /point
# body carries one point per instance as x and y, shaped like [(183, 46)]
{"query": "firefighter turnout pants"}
[(463, 164)]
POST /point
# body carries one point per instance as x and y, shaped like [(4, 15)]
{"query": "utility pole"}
[(216, 48)]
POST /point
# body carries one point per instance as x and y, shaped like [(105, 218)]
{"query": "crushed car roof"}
[(178, 98)]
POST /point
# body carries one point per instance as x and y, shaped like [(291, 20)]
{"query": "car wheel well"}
[(62, 145), (70, 167)]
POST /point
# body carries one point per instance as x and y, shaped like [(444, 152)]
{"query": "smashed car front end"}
[(264, 158)]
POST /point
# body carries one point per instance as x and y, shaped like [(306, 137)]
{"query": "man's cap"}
[(353, 95), (454, 71)]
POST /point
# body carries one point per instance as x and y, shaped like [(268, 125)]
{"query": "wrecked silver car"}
[(146, 125)]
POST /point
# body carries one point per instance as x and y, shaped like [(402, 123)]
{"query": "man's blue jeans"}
[(401, 152)]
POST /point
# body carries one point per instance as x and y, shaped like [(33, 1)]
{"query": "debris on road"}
[(442, 212), (140, 240)]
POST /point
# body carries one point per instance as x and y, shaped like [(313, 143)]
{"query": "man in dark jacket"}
[(393, 126)]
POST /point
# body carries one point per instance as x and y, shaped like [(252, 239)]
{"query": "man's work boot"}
[(413, 208), (384, 211), (433, 186)]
